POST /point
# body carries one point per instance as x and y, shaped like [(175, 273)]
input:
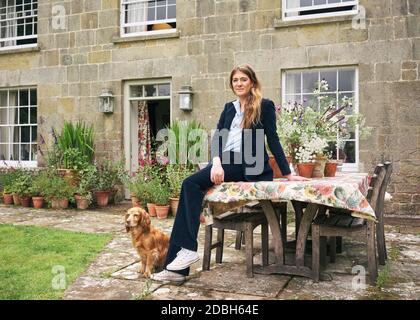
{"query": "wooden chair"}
[(244, 222), (338, 225)]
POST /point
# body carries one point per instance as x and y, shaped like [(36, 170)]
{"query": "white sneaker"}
[(169, 276), (184, 259)]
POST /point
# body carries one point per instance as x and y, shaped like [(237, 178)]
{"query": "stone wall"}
[(75, 63)]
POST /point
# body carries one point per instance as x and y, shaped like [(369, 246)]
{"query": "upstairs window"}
[(18, 23), (139, 17), (305, 9)]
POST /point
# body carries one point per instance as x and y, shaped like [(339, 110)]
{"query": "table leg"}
[(302, 234), (273, 222)]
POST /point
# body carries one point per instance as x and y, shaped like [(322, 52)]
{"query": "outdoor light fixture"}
[(106, 101), (185, 98)]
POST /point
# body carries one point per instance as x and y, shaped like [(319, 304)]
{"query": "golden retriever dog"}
[(150, 243)]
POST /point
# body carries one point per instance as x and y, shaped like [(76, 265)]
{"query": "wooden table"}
[(345, 191)]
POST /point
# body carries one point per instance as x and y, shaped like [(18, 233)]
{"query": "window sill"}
[(279, 23), (20, 50), (146, 37)]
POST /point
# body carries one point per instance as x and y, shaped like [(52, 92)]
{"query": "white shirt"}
[(234, 139)]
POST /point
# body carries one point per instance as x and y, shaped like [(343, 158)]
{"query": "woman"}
[(230, 163)]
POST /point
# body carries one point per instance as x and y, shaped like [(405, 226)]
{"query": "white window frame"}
[(296, 10), (124, 24), (10, 17), (348, 167), (15, 163)]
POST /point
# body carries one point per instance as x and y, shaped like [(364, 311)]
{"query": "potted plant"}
[(58, 192), (21, 188), (161, 199), (103, 185), (7, 179), (40, 184), (87, 180), (175, 175)]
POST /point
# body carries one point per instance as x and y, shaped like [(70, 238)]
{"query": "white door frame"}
[(131, 118)]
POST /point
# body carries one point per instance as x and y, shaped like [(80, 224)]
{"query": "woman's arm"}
[(216, 148)]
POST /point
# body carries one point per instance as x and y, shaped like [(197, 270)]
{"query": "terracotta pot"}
[(38, 202), (81, 202), (319, 167), (102, 198), (162, 211), (151, 208), (306, 169), (135, 202), (330, 169), (274, 166), (8, 198), (174, 202), (59, 203), (25, 201), (16, 199)]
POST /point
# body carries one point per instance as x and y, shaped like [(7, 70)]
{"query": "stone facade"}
[(72, 65)]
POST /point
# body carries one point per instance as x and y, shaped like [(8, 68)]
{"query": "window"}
[(18, 23), (305, 9), (342, 82), (140, 17), (18, 126)]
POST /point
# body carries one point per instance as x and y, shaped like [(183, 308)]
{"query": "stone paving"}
[(112, 275)]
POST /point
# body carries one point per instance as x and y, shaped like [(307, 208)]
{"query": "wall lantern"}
[(106, 101), (185, 98)]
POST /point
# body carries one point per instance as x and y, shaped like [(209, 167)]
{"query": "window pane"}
[(151, 14), (4, 151), (171, 1), (292, 98), (14, 152), (3, 116), (34, 152), (161, 13), (331, 78), (309, 81), (4, 134), (34, 113), (164, 89), (25, 134), (3, 98), (13, 98), (317, 2), (293, 83), (33, 99), (346, 80), (23, 115), (151, 90), (13, 115), (334, 1), (33, 134), (305, 3), (171, 12), (349, 152), (24, 152), (347, 96), (136, 91), (15, 134), (309, 100)]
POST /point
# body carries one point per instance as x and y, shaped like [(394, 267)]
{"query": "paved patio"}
[(113, 274)]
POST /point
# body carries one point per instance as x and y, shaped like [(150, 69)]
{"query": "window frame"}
[(34, 15), (21, 163), (347, 167), (124, 24), (354, 11)]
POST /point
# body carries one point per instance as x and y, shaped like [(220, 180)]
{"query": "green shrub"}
[(175, 175)]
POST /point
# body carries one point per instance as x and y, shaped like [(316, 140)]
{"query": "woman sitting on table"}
[(241, 156)]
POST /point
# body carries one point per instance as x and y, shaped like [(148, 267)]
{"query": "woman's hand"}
[(295, 178), (217, 174)]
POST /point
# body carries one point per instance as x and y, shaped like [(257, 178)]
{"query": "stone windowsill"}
[(279, 23), (20, 50), (118, 39)]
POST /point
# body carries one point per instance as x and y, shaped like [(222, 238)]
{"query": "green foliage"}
[(29, 255), (175, 175), (80, 137), (161, 195), (74, 159), (57, 187), (22, 183), (183, 135), (40, 183), (87, 181), (8, 178)]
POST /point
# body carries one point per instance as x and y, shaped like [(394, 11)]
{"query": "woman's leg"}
[(187, 219)]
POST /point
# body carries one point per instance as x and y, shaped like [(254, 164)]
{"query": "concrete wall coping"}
[(20, 50), (279, 23), (118, 39)]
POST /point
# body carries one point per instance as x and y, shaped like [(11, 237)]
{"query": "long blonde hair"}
[(252, 112)]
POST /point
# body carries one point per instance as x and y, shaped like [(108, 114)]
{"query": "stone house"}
[(57, 57)]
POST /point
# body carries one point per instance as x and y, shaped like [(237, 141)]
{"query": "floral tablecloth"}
[(345, 191)]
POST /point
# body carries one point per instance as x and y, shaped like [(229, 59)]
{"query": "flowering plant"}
[(305, 131)]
